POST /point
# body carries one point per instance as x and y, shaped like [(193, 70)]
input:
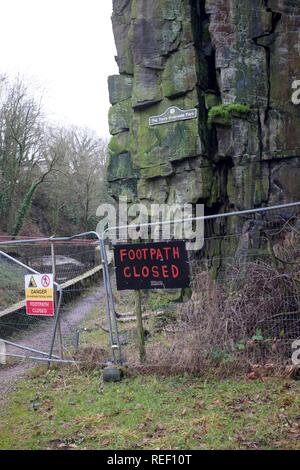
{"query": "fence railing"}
[(245, 289), (73, 261), (247, 275)]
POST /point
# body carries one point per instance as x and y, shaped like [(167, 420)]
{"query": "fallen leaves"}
[(199, 405), (160, 430), (294, 431)]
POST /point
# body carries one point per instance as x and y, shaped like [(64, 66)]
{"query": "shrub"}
[(233, 324)]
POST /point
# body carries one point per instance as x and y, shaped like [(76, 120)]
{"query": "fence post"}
[(113, 309), (56, 324), (107, 299), (53, 259), (139, 322), (2, 352), (140, 328)]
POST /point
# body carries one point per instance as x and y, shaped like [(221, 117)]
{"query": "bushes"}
[(242, 321)]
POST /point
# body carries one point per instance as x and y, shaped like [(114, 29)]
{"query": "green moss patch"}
[(225, 112)]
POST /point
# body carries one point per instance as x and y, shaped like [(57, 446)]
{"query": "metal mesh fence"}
[(254, 261), (244, 297), (72, 258), (77, 267)]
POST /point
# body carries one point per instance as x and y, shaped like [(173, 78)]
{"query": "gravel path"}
[(39, 336)]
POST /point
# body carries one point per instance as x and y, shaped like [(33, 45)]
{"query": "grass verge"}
[(66, 408), (12, 285)]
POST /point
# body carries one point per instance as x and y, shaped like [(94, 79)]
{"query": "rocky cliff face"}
[(235, 61)]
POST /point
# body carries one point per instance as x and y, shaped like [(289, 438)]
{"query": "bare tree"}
[(59, 170), (78, 177), (22, 147)]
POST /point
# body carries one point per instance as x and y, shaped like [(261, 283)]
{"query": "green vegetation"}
[(68, 409), (24, 209), (37, 162), (11, 285), (225, 111), (71, 407)]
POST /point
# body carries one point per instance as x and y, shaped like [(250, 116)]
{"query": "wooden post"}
[(140, 328)]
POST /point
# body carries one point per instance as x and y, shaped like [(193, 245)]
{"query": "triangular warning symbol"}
[(32, 282)]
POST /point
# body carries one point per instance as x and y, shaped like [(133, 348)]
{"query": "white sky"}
[(66, 48)]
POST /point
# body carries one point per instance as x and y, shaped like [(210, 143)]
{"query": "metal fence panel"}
[(245, 288), (247, 274), (75, 262)]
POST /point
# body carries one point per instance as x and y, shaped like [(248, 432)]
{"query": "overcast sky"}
[(66, 48)]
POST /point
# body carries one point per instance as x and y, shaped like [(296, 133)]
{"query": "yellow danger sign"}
[(46, 294), (39, 293)]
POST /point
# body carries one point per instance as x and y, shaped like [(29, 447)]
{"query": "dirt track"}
[(39, 336)]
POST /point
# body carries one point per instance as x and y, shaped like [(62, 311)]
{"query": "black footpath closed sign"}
[(161, 265)]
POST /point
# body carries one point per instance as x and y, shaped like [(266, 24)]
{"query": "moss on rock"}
[(179, 75), (146, 87), (224, 112), (155, 147), (120, 88), (119, 143), (120, 167), (119, 117)]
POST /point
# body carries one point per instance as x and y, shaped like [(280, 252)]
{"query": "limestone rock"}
[(120, 88), (120, 167), (285, 181), (199, 55), (190, 186), (155, 190), (146, 87), (119, 117), (248, 183), (240, 138), (179, 76), (119, 143), (122, 32), (256, 53), (156, 29)]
